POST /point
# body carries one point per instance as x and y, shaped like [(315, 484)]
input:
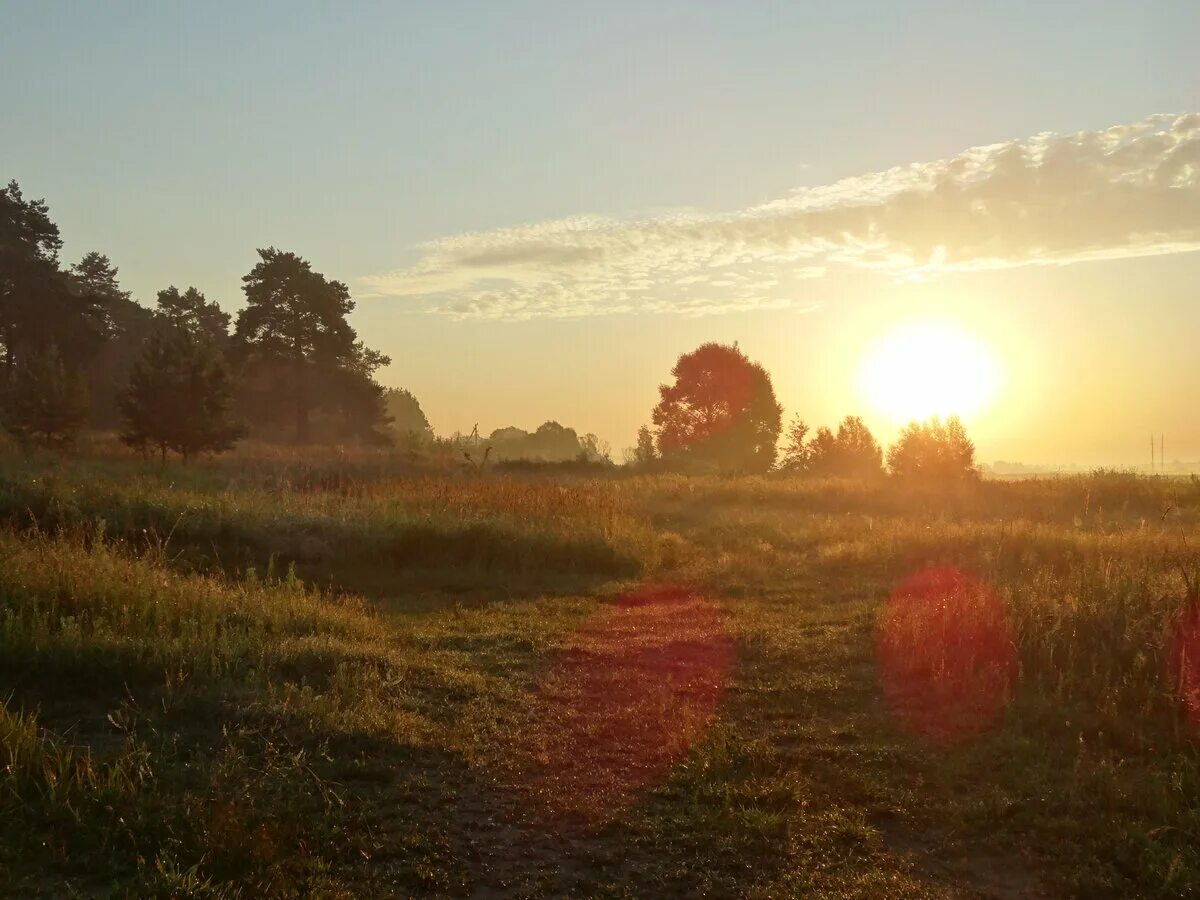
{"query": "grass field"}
[(279, 676)]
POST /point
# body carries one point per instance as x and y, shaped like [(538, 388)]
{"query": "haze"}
[(540, 206)]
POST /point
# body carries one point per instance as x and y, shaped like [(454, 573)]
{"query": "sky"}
[(539, 206)]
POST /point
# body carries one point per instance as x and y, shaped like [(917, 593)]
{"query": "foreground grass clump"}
[(166, 752), (577, 686)]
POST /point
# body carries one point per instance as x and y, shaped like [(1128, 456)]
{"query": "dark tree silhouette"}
[(191, 312), (358, 404), (94, 281), (45, 401), (933, 450), (179, 398), (293, 336), (38, 305), (721, 411), (29, 245)]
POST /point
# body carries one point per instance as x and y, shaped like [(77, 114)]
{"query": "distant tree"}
[(293, 335), (551, 442), (861, 455), (408, 419), (933, 450), (192, 312), (822, 453), (179, 398), (595, 449), (851, 452), (644, 453), (721, 411), (795, 451), (45, 401)]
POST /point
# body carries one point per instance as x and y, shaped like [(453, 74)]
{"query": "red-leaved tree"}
[(721, 411)]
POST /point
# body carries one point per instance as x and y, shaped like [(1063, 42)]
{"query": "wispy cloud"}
[(1129, 190)]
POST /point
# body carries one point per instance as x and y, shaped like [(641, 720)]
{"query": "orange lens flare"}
[(638, 686), (946, 655)]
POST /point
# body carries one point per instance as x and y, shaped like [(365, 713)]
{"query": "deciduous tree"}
[(933, 450), (720, 411), (796, 450)]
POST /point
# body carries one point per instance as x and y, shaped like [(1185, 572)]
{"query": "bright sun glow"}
[(929, 368)]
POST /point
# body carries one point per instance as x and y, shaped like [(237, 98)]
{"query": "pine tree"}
[(298, 351), (192, 312), (45, 402), (179, 398)]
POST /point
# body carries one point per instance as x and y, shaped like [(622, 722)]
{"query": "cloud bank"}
[(1129, 190)]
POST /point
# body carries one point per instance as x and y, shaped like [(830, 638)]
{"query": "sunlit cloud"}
[(1129, 190)]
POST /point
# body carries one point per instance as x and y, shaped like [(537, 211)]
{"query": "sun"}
[(923, 369)]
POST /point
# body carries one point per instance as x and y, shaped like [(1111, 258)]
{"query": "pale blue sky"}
[(177, 137)]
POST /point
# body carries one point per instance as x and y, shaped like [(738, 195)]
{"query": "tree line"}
[(720, 414), (184, 377)]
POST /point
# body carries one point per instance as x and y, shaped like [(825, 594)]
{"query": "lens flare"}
[(946, 655), (637, 687)]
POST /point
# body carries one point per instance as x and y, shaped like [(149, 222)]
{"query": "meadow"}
[(343, 674)]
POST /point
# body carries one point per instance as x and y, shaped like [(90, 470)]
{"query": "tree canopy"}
[(298, 348), (933, 450), (190, 311), (720, 412), (38, 303)]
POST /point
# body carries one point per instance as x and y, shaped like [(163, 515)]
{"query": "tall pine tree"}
[(297, 347), (179, 398)]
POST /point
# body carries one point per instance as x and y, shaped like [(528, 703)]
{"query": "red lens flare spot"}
[(1184, 662), (946, 655), (637, 687)]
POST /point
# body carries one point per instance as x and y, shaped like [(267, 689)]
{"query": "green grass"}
[(272, 676)]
